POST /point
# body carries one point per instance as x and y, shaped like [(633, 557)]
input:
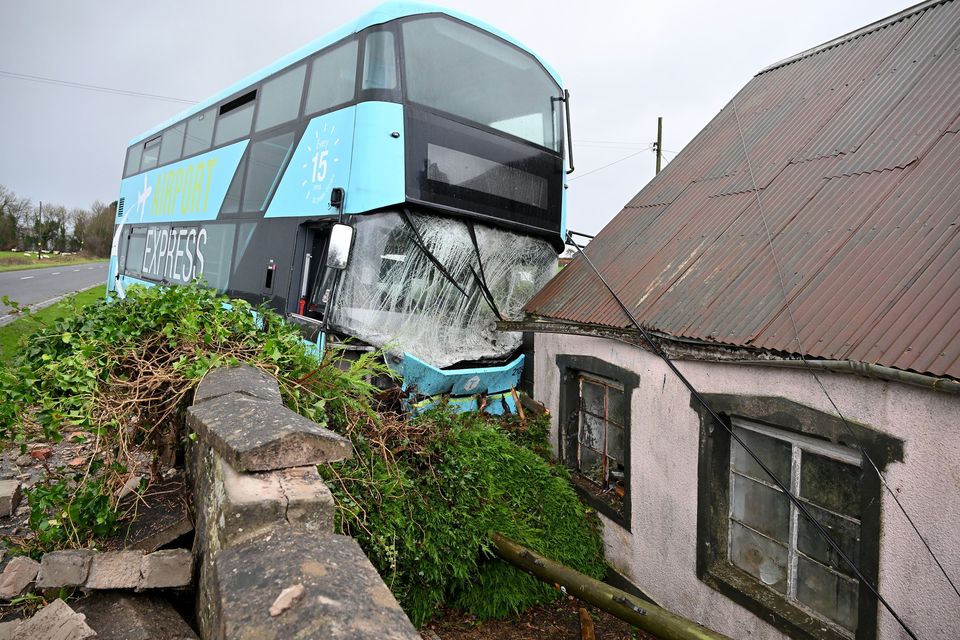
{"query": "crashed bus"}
[(397, 184)]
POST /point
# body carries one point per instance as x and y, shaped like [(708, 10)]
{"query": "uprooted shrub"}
[(118, 375), (421, 496)]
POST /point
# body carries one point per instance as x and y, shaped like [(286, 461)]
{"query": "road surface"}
[(41, 287)]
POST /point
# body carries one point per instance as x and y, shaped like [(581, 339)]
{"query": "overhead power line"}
[(635, 153), (92, 87)]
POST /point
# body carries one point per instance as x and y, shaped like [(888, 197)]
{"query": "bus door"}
[(318, 281)]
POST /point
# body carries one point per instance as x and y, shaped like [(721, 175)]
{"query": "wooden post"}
[(640, 613), (659, 142)]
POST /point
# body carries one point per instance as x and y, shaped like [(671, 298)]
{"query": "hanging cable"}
[(92, 87), (726, 425), (636, 153), (803, 358)]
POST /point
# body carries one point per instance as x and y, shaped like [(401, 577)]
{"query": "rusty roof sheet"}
[(849, 192)]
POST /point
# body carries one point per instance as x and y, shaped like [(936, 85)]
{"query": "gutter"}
[(703, 351), (866, 369)]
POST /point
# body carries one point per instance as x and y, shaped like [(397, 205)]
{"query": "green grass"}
[(18, 260), (10, 334)]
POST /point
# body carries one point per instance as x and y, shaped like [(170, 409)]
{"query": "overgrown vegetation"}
[(421, 496)]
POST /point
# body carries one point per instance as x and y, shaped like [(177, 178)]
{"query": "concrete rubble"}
[(9, 497), (17, 577), (56, 621)]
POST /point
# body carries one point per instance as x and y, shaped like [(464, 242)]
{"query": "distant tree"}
[(13, 213), (98, 229), (79, 218)]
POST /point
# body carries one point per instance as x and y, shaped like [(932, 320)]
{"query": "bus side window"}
[(133, 160), (132, 260), (333, 78), (235, 119), (379, 61), (151, 153), (172, 144), (280, 99), (199, 133)]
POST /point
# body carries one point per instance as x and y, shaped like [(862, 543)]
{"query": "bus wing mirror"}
[(338, 251)]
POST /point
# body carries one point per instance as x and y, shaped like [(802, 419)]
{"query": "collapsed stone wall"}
[(268, 562)]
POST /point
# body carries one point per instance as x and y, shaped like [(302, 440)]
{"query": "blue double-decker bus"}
[(399, 182)]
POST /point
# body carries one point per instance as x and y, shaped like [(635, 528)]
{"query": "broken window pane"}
[(763, 508), (393, 296), (616, 406), (591, 464), (592, 431), (761, 557), (827, 593), (592, 398)]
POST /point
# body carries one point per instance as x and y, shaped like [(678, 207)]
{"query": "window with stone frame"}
[(757, 548), (600, 442), (595, 432)]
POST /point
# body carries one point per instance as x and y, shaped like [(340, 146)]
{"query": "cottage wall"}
[(659, 552)]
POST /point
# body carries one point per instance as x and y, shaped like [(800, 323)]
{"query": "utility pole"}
[(659, 145), (40, 232)]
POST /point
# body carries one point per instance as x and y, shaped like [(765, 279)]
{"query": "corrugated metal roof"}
[(855, 149)]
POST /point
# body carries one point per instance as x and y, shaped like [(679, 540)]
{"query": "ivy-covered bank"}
[(421, 496)]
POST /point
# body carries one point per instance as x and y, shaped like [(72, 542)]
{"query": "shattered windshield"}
[(392, 294)]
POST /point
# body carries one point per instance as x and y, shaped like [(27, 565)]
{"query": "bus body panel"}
[(191, 189), (431, 381), (377, 170), (321, 162)]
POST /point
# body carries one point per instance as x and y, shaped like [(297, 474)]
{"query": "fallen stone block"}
[(56, 621), (243, 378), (64, 568), (115, 570), (17, 577), (125, 616), (165, 569), (342, 595), (257, 435), (9, 496), (162, 517)]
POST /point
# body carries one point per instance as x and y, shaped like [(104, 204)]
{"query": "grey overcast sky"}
[(625, 63)]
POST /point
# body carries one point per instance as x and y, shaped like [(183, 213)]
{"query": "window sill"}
[(769, 605), (611, 506)]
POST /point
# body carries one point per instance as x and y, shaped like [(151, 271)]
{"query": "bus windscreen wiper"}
[(480, 278)]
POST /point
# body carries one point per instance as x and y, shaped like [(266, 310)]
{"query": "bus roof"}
[(387, 11)]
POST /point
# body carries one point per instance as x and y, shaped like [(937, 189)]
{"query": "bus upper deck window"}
[(133, 160), (199, 133), (333, 78), (151, 153), (379, 61), (172, 144), (235, 119), (280, 99)]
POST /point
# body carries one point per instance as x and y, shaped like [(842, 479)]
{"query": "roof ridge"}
[(856, 33)]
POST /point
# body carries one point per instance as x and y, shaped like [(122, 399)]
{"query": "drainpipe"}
[(866, 369)]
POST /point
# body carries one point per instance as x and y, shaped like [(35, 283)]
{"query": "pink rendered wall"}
[(659, 554)]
